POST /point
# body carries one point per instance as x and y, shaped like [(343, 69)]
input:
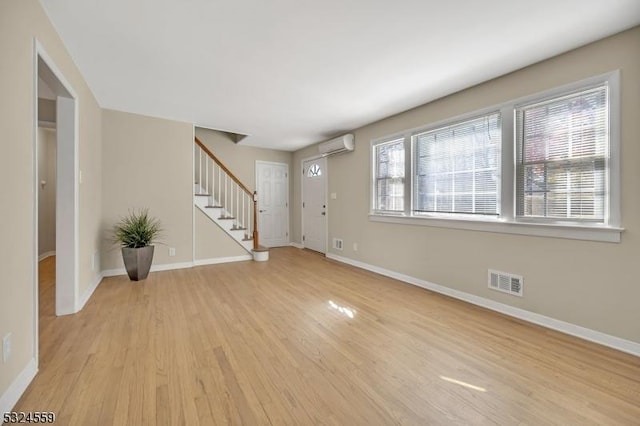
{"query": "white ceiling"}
[(293, 72)]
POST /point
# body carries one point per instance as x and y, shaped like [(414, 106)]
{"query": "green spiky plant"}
[(137, 229)]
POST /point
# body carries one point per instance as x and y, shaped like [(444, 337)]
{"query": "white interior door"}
[(314, 204), (272, 181)]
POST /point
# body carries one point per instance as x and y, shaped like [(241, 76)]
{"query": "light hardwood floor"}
[(304, 340)]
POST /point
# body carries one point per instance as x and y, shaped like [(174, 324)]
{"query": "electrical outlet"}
[(172, 251), (337, 243), (355, 246), (6, 348), (334, 196)]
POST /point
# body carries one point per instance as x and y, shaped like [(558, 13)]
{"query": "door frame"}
[(67, 193), (275, 163), (326, 198)]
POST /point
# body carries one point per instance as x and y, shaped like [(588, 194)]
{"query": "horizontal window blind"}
[(457, 167), (389, 176), (562, 157)]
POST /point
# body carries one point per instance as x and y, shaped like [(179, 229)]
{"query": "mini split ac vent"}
[(336, 146), (505, 282)]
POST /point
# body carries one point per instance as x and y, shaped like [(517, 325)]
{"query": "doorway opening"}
[(56, 180), (46, 170)]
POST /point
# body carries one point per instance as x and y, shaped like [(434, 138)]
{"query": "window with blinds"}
[(562, 157), (389, 176), (457, 168), (551, 159)]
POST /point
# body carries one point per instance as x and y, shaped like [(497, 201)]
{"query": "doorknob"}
[(262, 211), (324, 213)]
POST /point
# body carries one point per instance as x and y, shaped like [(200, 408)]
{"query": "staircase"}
[(226, 201)]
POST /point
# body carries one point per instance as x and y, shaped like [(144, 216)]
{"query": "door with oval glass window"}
[(314, 204)]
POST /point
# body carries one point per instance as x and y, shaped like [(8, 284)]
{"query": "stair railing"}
[(226, 190)]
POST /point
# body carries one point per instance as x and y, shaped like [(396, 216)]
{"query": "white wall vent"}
[(505, 282), (337, 243), (336, 146)]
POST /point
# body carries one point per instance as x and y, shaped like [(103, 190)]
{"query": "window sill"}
[(573, 232)]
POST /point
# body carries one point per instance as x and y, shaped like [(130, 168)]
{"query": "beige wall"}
[(211, 242), (591, 284), (147, 163), (46, 192), (20, 22)]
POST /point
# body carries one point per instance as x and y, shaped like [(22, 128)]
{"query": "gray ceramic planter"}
[(137, 261)]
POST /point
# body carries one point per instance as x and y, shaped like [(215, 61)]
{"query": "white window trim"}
[(507, 222), (407, 169), (574, 232)]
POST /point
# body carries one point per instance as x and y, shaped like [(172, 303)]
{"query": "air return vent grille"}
[(505, 282)]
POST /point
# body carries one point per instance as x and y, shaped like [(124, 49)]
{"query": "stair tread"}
[(238, 229), (226, 218), (261, 248), (248, 239), (202, 195), (213, 207)]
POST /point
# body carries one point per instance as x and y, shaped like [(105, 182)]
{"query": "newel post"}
[(255, 221)]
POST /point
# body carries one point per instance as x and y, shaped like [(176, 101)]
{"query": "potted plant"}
[(135, 233)]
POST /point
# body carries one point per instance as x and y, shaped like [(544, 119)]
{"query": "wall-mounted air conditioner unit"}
[(336, 146)]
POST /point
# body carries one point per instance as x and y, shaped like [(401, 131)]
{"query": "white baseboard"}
[(88, 292), (154, 268), (548, 322), (297, 245), (168, 267), (182, 265), (217, 260), (11, 396), (44, 255)]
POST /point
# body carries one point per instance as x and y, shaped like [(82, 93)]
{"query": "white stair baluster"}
[(237, 203), (213, 183)]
